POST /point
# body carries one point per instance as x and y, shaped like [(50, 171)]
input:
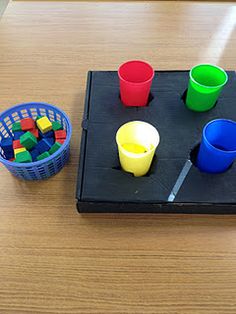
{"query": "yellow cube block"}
[(19, 150), (44, 124)]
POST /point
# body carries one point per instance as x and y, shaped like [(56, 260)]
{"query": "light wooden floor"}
[(3, 5), (52, 260)]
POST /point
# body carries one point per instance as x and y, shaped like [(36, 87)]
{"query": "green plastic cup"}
[(205, 84)]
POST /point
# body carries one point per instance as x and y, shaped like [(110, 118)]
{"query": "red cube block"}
[(60, 140), (60, 134), (16, 144), (27, 124), (35, 132)]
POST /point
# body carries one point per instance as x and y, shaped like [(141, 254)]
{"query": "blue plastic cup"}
[(218, 147)]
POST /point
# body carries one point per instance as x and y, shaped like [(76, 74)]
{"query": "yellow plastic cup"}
[(137, 142)]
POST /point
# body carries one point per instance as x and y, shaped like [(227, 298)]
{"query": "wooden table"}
[(54, 260)]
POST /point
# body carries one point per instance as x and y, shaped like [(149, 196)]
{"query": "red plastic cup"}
[(135, 82)]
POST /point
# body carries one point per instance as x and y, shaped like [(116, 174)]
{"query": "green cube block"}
[(16, 127), (38, 117), (28, 140), (23, 157), (54, 148), (43, 156), (56, 126)]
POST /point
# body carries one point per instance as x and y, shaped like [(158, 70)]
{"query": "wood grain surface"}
[(3, 5), (53, 260)]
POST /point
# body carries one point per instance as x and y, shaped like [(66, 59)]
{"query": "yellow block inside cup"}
[(137, 142)]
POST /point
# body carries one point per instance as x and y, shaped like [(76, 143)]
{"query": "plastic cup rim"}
[(136, 83), (206, 86), (206, 139), (139, 155)]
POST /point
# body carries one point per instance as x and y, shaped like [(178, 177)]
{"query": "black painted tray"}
[(173, 184)]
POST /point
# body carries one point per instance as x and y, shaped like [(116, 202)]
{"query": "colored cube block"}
[(35, 132), (50, 140), (27, 124), (47, 134), (16, 144), (9, 154), (56, 126), (60, 134), (54, 148), (23, 157), (38, 117), (6, 144), (28, 140), (60, 140), (34, 154), (18, 134), (43, 145), (16, 127), (44, 124), (19, 150), (43, 156)]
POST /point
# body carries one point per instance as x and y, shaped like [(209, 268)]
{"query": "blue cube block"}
[(18, 134), (9, 154), (51, 140), (46, 135), (43, 145), (6, 144), (34, 154)]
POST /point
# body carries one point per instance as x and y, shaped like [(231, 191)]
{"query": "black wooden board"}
[(103, 187)]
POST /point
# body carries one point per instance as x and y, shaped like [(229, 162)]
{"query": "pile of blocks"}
[(33, 140)]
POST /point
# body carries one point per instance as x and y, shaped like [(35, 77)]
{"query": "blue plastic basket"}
[(47, 167)]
